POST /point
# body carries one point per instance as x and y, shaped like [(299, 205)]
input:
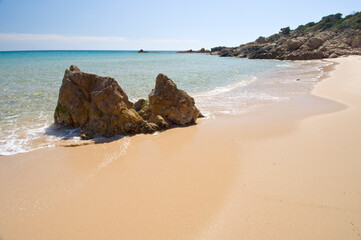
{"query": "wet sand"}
[(289, 170)]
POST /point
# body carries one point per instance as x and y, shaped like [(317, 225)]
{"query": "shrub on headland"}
[(285, 31), (332, 22)]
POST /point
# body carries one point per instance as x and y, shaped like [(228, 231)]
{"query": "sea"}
[(30, 82)]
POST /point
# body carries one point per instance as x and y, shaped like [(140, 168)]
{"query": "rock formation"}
[(142, 51), (174, 105), (333, 36), (99, 106), (202, 50)]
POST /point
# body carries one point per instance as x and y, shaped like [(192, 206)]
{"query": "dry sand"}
[(286, 171)]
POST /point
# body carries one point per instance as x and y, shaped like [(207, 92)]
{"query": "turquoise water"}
[(30, 82)]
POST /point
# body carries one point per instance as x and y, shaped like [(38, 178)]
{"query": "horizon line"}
[(78, 50)]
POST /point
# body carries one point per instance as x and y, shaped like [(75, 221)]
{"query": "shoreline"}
[(238, 93), (228, 177)]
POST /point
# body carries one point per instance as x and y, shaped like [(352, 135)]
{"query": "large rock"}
[(294, 44), (98, 105), (314, 42), (305, 55), (172, 104)]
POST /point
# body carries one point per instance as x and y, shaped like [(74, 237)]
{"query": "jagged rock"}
[(173, 104), (97, 105)]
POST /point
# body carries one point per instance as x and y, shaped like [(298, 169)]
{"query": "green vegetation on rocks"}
[(332, 22), (332, 36)]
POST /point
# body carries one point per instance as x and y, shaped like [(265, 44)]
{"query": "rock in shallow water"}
[(99, 106), (173, 104)]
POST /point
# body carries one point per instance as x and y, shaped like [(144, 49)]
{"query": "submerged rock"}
[(97, 105), (171, 103)]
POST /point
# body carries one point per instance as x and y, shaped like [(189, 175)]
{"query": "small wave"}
[(226, 88), (286, 65), (25, 135), (20, 139), (11, 117)]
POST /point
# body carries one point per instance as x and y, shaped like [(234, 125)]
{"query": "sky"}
[(152, 24)]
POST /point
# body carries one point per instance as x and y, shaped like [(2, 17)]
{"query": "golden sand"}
[(286, 171)]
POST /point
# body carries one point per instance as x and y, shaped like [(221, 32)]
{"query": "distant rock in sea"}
[(331, 37), (142, 51), (99, 106), (202, 50)]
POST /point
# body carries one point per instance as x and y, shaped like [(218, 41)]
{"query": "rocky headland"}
[(331, 37), (99, 106)]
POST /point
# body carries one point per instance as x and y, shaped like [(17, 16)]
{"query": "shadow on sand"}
[(70, 137)]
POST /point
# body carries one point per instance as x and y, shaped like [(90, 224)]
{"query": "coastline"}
[(285, 171)]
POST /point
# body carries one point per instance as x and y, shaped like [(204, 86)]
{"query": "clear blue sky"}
[(153, 24)]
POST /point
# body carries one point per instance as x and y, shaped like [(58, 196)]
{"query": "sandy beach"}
[(289, 170)]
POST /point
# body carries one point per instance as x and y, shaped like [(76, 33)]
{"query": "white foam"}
[(20, 136), (226, 88), (286, 65)]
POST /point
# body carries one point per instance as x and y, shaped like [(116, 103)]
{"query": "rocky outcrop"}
[(171, 103), (333, 36), (202, 50), (323, 45), (142, 51), (99, 106)]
